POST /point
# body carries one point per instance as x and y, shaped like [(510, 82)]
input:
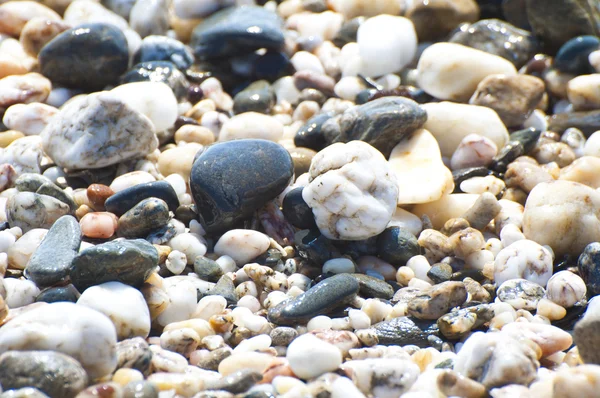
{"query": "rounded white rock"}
[(124, 305), (566, 289), (310, 356), (19, 292), (251, 125), (80, 332), (524, 259), (29, 119), (242, 245), (353, 192)]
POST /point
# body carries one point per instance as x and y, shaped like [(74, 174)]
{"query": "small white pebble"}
[(176, 262), (249, 302), (320, 322), (359, 319)]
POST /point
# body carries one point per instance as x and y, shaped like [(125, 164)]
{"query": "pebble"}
[(435, 20), (578, 381), (24, 89), (571, 203), (386, 44), (149, 17), (82, 333), (52, 259), (437, 301), (237, 30), (127, 261), (445, 70), (56, 374), (549, 338), (573, 55), (142, 219), (566, 288), (405, 330), (16, 15), (242, 245), (28, 210), (207, 269), (114, 132), (60, 293), (417, 162), (100, 225), (450, 123), (257, 97), (103, 56), (24, 154), (159, 72), (513, 98), (473, 151), (20, 251), (134, 354), (19, 292), (523, 259), (521, 294), (354, 8), (246, 188), (383, 377), (190, 244), (251, 125), (370, 286), (581, 92), (126, 199), (318, 300), (376, 123), (164, 48), (344, 216), (29, 119), (310, 356)]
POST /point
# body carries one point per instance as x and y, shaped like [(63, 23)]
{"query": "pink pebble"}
[(99, 225)]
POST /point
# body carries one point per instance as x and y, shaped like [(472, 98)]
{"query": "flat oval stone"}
[(257, 97), (207, 269), (145, 217), (318, 300), (373, 287), (163, 48), (127, 261), (124, 200), (58, 293), (296, 210), (231, 180), (28, 210), (56, 374), (237, 30), (573, 55), (311, 134), (382, 123), (50, 263), (101, 57), (397, 245), (159, 71), (406, 330), (30, 182)]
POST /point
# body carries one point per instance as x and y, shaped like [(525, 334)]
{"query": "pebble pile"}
[(299, 198)]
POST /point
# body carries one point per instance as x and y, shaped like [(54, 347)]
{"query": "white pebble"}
[(251, 125), (320, 322), (257, 343), (358, 319), (182, 302), (566, 289), (191, 245), (209, 306), (340, 265), (303, 60), (242, 245), (176, 262), (19, 292), (524, 259), (310, 356)]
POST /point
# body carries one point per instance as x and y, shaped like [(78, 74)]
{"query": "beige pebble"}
[(192, 133), (29, 119), (24, 89), (15, 14), (178, 160), (246, 360), (550, 310), (13, 59), (98, 225), (125, 375), (38, 31), (550, 338)]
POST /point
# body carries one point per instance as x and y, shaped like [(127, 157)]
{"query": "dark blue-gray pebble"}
[(406, 330), (257, 97), (162, 48), (296, 210), (313, 246), (159, 71), (573, 55), (122, 201), (88, 57), (310, 135), (397, 245), (589, 268), (147, 216), (59, 293)]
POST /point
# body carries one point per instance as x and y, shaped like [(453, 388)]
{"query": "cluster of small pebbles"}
[(299, 198)]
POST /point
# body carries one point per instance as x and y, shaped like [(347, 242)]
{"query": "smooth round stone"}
[(98, 130), (339, 265), (251, 173), (19, 292), (102, 57), (30, 182), (147, 216), (80, 332), (160, 72), (397, 245), (551, 339), (134, 354), (311, 134), (302, 157), (235, 31), (318, 300), (140, 389), (190, 244), (153, 99), (23, 154), (257, 97), (310, 357), (24, 89), (499, 38), (128, 261), (386, 44), (588, 265), (51, 261), (29, 119), (179, 160), (20, 251), (59, 293), (296, 210), (242, 245), (573, 55), (53, 190), (28, 210), (149, 17), (163, 48), (566, 288), (56, 374), (373, 287), (98, 225), (251, 125), (207, 269), (520, 294), (127, 198), (124, 305), (405, 330), (523, 259)]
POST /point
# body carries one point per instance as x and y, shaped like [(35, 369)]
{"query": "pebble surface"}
[(299, 198)]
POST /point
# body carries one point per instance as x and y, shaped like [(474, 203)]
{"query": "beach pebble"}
[(384, 377), (149, 17), (523, 259), (85, 334), (15, 15), (450, 123), (126, 197), (310, 356), (576, 382), (190, 244), (550, 338), (98, 225), (28, 210), (573, 204), (521, 294), (30, 119), (142, 219), (445, 70), (473, 151), (54, 373), (19, 292), (114, 132), (242, 245), (583, 93), (440, 299), (331, 171), (24, 89), (251, 125), (417, 163), (23, 154), (21, 251), (566, 288), (434, 20)]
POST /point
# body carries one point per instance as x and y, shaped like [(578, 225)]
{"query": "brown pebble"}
[(97, 195), (82, 211), (301, 158)]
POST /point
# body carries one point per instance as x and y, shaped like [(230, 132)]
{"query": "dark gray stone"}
[(236, 31), (231, 180), (236, 382), (589, 268), (588, 122), (163, 48), (257, 97), (56, 374), (127, 261), (397, 245), (164, 234), (440, 272), (283, 335), (297, 211), (405, 330), (370, 286), (499, 38), (89, 57), (311, 134), (56, 192), (459, 322), (382, 123), (142, 219), (207, 269), (59, 293), (122, 201), (159, 71), (320, 299), (224, 288), (438, 300), (50, 263)]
